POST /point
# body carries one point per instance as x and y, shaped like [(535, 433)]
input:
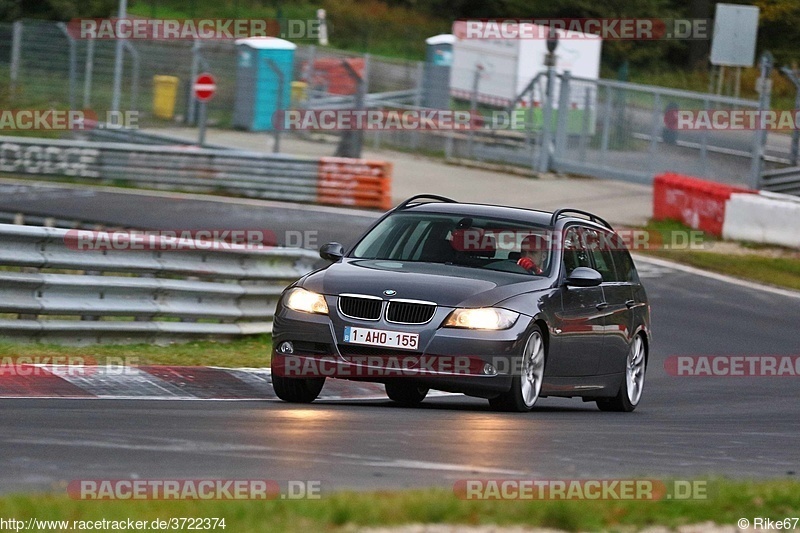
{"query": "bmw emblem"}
[(389, 292)]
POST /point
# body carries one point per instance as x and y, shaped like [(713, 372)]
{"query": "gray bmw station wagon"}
[(501, 303)]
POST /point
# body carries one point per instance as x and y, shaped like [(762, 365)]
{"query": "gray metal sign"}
[(735, 32)]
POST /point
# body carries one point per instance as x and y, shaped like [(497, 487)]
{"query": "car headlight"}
[(306, 301), (483, 318)]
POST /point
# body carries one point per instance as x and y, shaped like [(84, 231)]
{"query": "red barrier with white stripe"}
[(697, 203)]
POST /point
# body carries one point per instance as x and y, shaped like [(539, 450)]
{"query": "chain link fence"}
[(600, 128)]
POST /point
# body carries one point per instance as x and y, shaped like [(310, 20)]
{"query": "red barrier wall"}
[(697, 203)]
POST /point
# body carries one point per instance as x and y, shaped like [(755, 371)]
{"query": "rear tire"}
[(405, 394), (630, 391), (527, 380), (297, 390)]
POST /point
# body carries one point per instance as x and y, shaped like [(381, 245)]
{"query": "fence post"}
[(473, 108), (134, 75), (760, 137), (87, 75), (118, 59), (73, 64), (563, 115), (16, 48), (191, 104), (276, 147), (587, 111), (547, 117), (418, 101), (793, 77)]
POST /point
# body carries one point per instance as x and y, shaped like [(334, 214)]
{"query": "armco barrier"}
[(333, 181), (56, 289), (695, 202), (768, 218)]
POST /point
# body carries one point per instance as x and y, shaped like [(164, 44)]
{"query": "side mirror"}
[(333, 251), (585, 277)]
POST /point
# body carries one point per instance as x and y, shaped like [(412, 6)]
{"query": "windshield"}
[(474, 242)]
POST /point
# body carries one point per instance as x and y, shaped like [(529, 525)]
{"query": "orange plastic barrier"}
[(354, 182), (697, 203), (331, 73)]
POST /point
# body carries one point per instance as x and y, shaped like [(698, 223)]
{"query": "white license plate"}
[(379, 337)]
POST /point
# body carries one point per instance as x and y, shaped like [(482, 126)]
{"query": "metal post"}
[(760, 137), (473, 108), (704, 143), (87, 74), (658, 120), (115, 96), (201, 140), (276, 147), (587, 115), (73, 65), (721, 79), (418, 101), (134, 75), (191, 104), (365, 78), (16, 48), (547, 117), (562, 122), (795, 79), (606, 124)]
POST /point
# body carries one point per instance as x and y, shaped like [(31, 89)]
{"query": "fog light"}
[(286, 347), (489, 370)]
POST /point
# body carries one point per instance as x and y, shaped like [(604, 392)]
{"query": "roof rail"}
[(594, 218), (409, 201)]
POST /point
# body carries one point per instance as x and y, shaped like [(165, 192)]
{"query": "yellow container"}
[(299, 89), (165, 91)]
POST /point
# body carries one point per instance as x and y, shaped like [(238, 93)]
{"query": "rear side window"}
[(575, 252), (625, 270), (601, 253)]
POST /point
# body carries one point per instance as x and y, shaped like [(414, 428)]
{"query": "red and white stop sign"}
[(204, 87)]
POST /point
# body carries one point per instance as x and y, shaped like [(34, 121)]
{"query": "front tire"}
[(630, 392), (297, 390), (405, 394), (527, 380)]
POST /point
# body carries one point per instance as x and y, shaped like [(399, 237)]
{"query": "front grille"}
[(363, 308), (409, 312)]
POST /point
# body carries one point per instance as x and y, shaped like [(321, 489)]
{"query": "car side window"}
[(575, 252), (598, 244), (626, 271)]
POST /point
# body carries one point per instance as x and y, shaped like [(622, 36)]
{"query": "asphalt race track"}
[(685, 426)]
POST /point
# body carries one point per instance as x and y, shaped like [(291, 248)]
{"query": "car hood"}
[(447, 285)]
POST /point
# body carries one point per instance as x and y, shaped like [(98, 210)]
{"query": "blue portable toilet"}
[(259, 92), (436, 74)]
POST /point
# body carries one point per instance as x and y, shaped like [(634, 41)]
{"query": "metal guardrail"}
[(53, 291), (783, 180), (335, 181)]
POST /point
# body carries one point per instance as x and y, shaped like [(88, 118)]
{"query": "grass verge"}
[(251, 351), (728, 502), (769, 265)]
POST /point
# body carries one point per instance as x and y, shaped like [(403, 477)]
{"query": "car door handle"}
[(601, 306), (630, 304)]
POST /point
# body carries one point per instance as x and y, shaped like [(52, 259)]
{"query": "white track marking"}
[(719, 277)]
